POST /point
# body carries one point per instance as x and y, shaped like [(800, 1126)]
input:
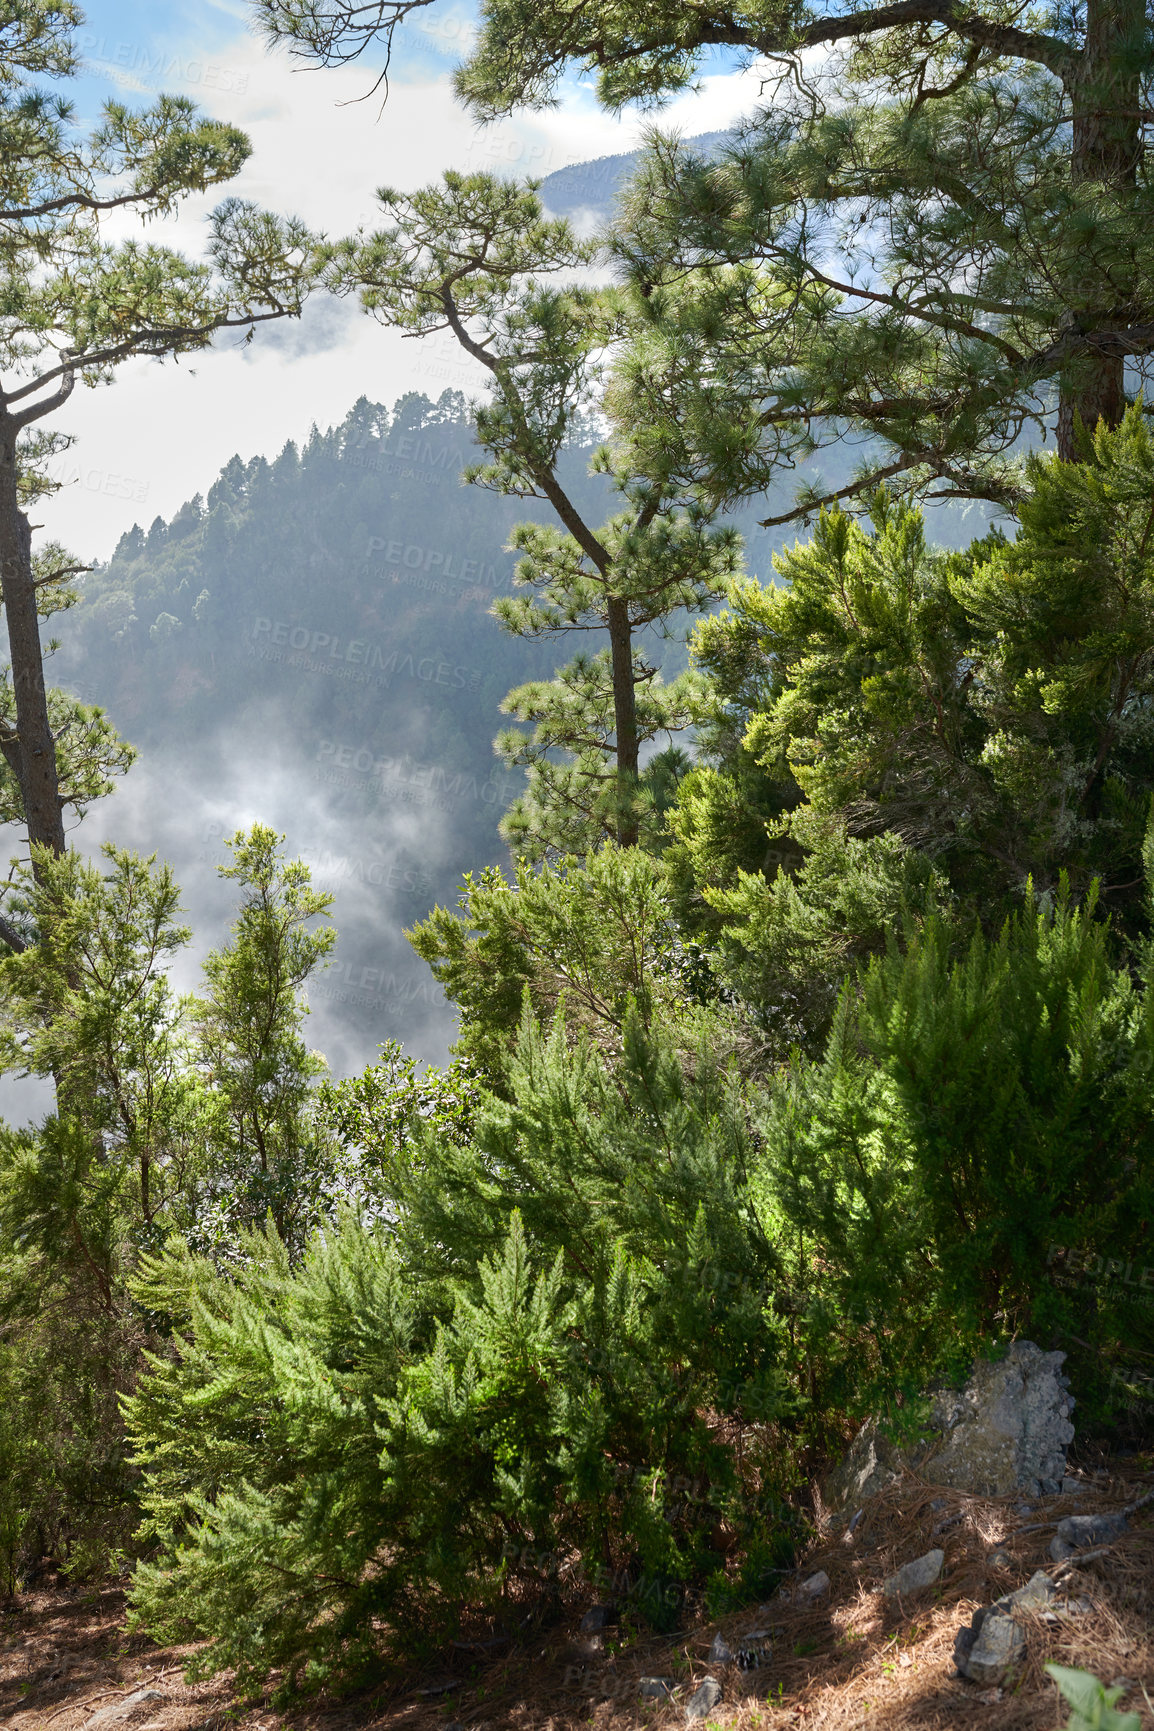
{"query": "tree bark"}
[(624, 717), (1107, 150), (36, 744)]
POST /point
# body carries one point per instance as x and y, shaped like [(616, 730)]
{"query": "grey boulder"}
[(1008, 1430), (989, 1649), (134, 1703), (1004, 1434)]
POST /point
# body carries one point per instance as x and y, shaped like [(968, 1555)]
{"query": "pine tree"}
[(977, 1127), (249, 1041), (472, 257), (76, 306), (934, 231)]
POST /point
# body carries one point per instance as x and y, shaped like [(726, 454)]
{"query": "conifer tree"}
[(934, 231), (990, 710), (471, 257), (153, 1140), (249, 1034), (76, 305), (514, 1375)]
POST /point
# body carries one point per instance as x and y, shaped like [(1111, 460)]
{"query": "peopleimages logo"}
[(155, 66), (322, 651), (430, 560)]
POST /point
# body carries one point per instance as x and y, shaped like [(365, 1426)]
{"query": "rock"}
[(719, 1651), (1023, 1509), (871, 1464), (655, 1688), (1082, 1530), (704, 1698), (1000, 1559), (1072, 1487), (1037, 1592), (913, 1577), (813, 1588), (993, 1644), (988, 1651), (596, 1618), (140, 1698), (1078, 1531), (1009, 1429)]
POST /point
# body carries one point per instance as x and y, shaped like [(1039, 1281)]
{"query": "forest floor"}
[(854, 1658)]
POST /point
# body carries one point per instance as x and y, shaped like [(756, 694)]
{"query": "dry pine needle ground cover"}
[(855, 1658)]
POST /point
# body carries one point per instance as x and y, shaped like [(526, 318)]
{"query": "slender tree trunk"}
[(1107, 150), (624, 718), (39, 788)]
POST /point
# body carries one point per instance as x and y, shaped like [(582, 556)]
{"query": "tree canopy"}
[(931, 239)]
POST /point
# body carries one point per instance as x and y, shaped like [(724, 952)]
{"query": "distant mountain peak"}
[(592, 186)]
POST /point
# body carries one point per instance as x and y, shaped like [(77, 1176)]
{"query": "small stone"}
[(753, 1636), (814, 1587), (1023, 1509), (704, 1698), (1082, 1530), (655, 1688), (1072, 1487), (999, 1646), (1037, 1593), (913, 1577), (596, 1618), (1000, 1559), (719, 1651)]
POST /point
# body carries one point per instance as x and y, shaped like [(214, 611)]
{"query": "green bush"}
[(537, 1370), (974, 1123)]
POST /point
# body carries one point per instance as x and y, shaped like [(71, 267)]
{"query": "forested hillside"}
[(311, 643)]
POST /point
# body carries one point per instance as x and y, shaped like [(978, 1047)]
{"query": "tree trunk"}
[(1107, 150), (624, 719), (39, 788)]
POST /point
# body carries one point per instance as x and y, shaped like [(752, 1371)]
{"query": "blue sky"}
[(162, 432)]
